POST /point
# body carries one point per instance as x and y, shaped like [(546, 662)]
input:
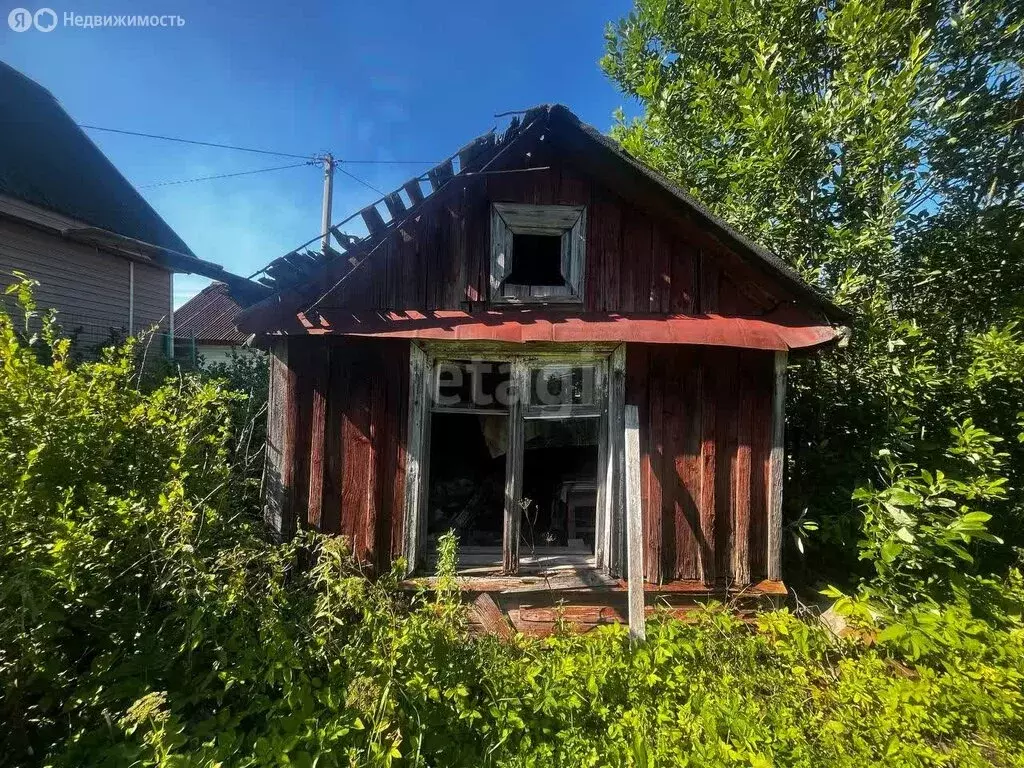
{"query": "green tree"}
[(879, 147)]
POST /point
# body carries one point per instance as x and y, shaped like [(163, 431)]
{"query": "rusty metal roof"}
[(780, 331), (209, 316)]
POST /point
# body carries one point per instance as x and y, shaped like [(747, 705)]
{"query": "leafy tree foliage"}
[(879, 147)]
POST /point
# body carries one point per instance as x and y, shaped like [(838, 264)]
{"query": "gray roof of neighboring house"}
[(48, 161)]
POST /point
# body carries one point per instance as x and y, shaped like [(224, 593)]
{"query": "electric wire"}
[(199, 143), (366, 184), (225, 175), (250, 149)]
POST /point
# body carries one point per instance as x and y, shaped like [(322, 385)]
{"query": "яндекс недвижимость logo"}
[(46, 20), (22, 19)]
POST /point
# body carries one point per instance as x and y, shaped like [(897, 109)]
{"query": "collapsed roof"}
[(295, 277)]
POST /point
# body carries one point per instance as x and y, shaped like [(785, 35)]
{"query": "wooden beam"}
[(706, 501), (395, 205), (602, 521), (776, 468), (739, 503), (615, 479), (634, 526), (414, 191), (440, 174), (490, 616), (470, 152), (343, 239), (279, 463), (280, 268), (514, 469), (416, 459), (318, 419), (372, 218)]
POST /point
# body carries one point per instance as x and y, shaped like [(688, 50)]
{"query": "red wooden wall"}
[(350, 411), (705, 442), (705, 431), (635, 261)]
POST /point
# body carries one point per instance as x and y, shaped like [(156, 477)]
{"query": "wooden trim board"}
[(776, 468)]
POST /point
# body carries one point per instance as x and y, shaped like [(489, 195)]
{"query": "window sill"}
[(478, 580), (485, 562), (569, 301), (591, 580)]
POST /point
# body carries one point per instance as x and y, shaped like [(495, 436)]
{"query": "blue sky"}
[(372, 80)]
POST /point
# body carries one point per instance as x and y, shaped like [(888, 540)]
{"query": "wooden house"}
[(467, 364)]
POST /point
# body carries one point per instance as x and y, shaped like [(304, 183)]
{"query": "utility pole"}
[(328, 162)]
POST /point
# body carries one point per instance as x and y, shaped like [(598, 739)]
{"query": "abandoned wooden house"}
[(467, 365)]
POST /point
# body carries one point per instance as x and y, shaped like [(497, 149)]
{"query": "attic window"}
[(537, 253), (538, 260)]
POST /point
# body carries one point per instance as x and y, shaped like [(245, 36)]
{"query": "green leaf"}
[(902, 497)]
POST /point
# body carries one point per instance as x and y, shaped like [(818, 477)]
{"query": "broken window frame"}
[(569, 222), (608, 406)]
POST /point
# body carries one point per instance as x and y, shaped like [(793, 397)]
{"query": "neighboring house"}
[(469, 366), (105, 260), (204, 328)]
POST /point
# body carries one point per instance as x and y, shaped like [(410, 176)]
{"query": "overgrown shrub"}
[(246, 372), (145, 620)]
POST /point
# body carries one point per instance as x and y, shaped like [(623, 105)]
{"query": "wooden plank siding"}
[(706, 424), (89, 287), (635, 262), (339, 422), (347, 410), (706, 439)]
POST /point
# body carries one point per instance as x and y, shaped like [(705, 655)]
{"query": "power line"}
[(389, 162), (200, 143), (366, 184), (225, 175), (250, 149)]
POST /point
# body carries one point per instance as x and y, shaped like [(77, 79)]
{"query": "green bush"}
[(145, 620)]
